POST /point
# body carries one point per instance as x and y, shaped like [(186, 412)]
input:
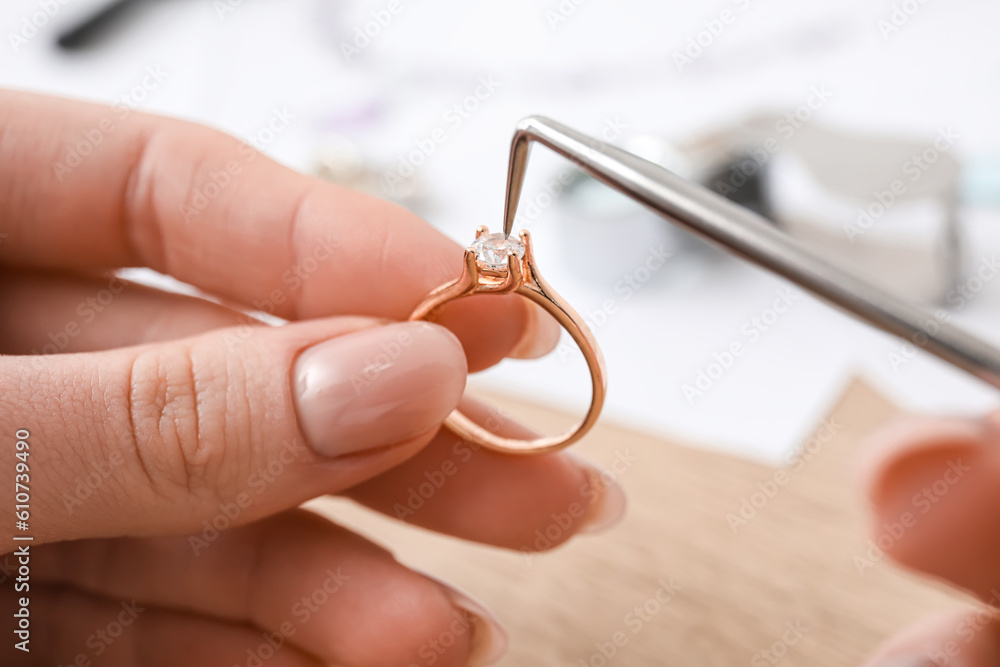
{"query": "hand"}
[(170, 439), (935, 483)]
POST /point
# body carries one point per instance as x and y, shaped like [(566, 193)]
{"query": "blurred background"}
[(866, 129)]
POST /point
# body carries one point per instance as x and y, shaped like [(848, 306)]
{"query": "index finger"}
[(85, 187)]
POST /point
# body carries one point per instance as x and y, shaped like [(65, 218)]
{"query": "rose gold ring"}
[(499, 264)]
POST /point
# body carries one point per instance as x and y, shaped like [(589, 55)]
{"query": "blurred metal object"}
[(748, 235), (885, 207), (340, 161)]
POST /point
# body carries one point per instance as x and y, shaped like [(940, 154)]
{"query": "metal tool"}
[(746, 235)]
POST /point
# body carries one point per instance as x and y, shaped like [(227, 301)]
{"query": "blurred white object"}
[(340, 160), (883, 207)]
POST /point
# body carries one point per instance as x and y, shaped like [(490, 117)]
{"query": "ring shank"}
[(541, 294)]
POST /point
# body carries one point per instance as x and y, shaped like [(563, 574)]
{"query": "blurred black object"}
[(751, 194), (98, 26)]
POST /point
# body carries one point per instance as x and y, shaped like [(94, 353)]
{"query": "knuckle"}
[(176, 399)]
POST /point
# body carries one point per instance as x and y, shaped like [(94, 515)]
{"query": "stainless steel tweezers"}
[(746, 235)]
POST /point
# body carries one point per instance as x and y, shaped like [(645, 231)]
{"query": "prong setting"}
[(529, 250), (499, 262), (515, 274), (471, 266)]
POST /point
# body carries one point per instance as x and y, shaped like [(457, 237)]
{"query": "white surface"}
[(608, 60)]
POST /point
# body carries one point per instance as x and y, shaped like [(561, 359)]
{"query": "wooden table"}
[(785, 587)]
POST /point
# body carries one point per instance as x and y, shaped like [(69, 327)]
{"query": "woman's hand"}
[(170, 439), (934, 484)]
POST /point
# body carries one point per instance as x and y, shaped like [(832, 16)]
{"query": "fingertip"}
[(539, 335), (911, 453), (488, 641), (901, 439), (934, 488), (905, 441), (607, 500)]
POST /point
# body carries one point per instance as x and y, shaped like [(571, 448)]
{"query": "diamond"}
[(492, 250)]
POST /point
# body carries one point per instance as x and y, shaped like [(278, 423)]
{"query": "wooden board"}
[(787, 582)]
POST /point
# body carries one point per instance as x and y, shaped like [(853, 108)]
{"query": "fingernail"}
[(607, 507), (908, 437), (489, 639), (911, 432), (378, 386), (540, 335)]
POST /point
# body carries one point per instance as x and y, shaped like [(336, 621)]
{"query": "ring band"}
[(498, 264)]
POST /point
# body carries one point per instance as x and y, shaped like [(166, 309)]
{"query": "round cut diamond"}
[(492, 250)]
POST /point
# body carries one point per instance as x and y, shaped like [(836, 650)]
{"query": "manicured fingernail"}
[(608, 500), (540, 336), (910, 433), (898, 457), (489, 639), (378, 386)]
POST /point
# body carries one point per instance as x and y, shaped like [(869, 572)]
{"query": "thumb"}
[(219, 429)]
